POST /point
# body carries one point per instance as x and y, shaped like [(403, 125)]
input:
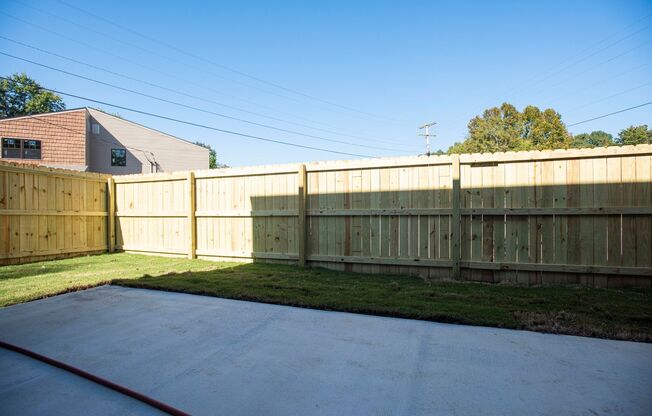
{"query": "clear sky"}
[(362, 72)]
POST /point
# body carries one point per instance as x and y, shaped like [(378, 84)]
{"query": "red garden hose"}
[(99, 380)]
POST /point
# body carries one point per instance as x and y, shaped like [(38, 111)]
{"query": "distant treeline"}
[(504, 128)]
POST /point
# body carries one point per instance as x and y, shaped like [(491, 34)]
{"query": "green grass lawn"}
[(618, 314)]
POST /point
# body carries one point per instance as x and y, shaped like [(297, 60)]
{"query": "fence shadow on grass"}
[(576, 311)]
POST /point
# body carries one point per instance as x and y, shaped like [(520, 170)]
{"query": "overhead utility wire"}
[(203, 86), (34, 117), (584, 58), (190, 123), (176, 61), (598, 64), (610, 114), (182, 92), (588, 48), (592, 67), (603, 80), (611, 96), (192, 107), (546, 73), (222, 66)]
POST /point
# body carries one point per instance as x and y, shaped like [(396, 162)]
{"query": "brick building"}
[(90, 140)]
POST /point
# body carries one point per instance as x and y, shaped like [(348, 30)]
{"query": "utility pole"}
[(427, 135)]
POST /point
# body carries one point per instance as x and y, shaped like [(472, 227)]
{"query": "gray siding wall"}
[(168, 152)]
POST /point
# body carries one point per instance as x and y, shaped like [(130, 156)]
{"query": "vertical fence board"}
[(561, 233), (498, 228), (643, 198), (628, 249)]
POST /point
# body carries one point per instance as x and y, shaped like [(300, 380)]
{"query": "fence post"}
[(302, 192), (110, 219), (456, 221), (192, 226)]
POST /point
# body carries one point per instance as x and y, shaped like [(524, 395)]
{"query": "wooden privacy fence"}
[(565, 216), (48, 213)]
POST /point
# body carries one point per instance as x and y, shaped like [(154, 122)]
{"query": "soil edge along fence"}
[(563, 216), (50, 213)]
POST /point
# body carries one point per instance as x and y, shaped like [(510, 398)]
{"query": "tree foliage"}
[(504, 128), (596, 138), (635, 135), (212, 157), (23, 96)]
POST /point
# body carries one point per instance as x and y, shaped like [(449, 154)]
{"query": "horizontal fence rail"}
[(563, 216)]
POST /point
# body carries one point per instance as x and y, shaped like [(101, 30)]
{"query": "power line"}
[(603, 80), (89, 29), (611, 96), (610, 114), (192, 107), (182, 92), (173, 76), (32, 117), (593, 67), (222, 66), (190, 123), (144, 152), (535, 81)]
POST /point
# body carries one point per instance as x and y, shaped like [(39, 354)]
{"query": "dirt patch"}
[(562, 322)]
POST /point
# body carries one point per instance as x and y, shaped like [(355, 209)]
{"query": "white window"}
[(95, 128)]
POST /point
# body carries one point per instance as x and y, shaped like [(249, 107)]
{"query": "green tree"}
[(596, 138), (212, 157), (23, 96), (635, 135), (504, 128)]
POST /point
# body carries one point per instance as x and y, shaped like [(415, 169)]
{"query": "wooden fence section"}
[(391, 219), (565, 216), (152, 216), (238, 213), (558, 219), (50, 213)]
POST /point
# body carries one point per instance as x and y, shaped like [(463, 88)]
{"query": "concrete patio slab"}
[(217, 356), (28, 386)]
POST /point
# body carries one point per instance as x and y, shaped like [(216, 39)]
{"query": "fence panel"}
[(245, 215), (569, 217), (381, 219), (50, 213), (152, 213)]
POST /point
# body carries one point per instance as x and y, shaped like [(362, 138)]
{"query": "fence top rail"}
[(557, 154), (335, 165), (36, 169), (248, 171), (151, 177), (384, 162), (410, 161)]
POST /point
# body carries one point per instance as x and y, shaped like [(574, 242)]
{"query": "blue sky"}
[(393, 65)]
